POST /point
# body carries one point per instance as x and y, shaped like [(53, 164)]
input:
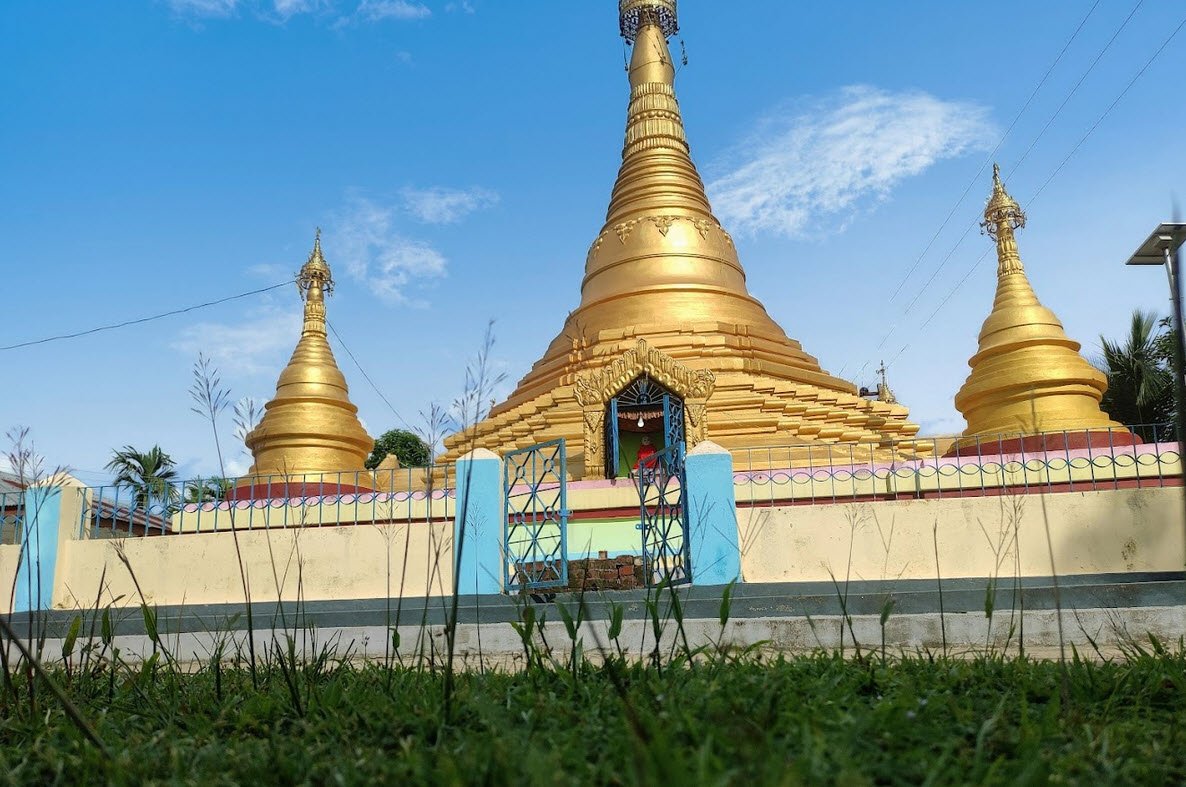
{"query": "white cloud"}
[(364, 238), (839, 152), (286, 8), (204, 8), (439, 205), (238, 467), (376, 10), (256, 345), (271, 271), (464, 6)]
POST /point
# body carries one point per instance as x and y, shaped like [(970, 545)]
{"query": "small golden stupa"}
[(1027, 377), (664, 300), (310, 431)]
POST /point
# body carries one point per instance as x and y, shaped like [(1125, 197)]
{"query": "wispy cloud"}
[(283, 10), (288, 8), (376, 10), (255, 345), (365, 238), (835, 155), (446, 206), (464, 7), (210, 9), (271, 271)]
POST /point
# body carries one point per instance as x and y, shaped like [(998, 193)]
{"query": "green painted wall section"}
[(587, 537)]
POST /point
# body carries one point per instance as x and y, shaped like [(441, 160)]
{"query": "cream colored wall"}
[(1089, 532), (331, 563), (9, 556)]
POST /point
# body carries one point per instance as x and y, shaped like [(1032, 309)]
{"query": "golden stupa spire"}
[(662, 266), (1027, 376), (311, 426), (664, 295)]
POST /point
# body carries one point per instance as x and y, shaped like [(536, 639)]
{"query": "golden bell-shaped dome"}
[(1027, 375), (310, 427)]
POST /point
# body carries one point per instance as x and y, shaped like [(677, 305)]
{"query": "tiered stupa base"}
[(755, 404)]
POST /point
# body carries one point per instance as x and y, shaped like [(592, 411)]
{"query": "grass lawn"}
[(805, 720)]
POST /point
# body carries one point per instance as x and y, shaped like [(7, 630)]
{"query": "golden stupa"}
[(664, 296), (1027, 376), (310, 431)]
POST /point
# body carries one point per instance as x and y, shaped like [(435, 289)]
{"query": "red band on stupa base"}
[(1044, 443), (288, 489)]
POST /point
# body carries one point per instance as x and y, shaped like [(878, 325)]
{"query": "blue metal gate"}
[(536, 526), (662, 495)]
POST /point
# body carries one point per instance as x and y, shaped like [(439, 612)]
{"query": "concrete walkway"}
[(1098, 615)]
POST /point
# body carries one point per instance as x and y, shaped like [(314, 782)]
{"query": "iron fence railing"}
[(12, 517), (1058, 461), (406, 495)]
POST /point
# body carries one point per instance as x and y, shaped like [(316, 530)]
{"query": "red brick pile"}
[(606, 573), (600, 573)]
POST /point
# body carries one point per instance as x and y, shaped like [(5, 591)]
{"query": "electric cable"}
[(1056, 170), (367, 377), (943, 263), (141, 320), (988, 160)]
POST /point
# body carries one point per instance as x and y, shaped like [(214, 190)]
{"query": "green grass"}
[(805, 720)]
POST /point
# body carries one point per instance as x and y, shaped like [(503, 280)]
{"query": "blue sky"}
[(459, 155)]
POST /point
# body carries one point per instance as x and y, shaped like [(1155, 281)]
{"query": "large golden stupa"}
[(1029, 388), (664, 299), (310, 434)]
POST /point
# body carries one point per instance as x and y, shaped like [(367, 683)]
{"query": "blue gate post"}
[(477, 523), (712, 515), (39, 549)]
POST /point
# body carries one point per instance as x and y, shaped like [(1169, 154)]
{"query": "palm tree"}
[(145, 473), (207, 490), (1140, 383)]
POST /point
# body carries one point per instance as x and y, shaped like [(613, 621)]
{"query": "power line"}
[(367, 377), (988, 160), (943, 263), (1057, 169), (141, 320), (1111, 106), (1075, 89), (975, 179)]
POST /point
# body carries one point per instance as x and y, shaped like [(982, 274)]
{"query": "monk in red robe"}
[(645, 453)]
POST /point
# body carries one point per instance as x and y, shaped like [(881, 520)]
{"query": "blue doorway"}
[(643, 419)]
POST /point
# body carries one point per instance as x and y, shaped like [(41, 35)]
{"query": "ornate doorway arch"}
[(595, 390)]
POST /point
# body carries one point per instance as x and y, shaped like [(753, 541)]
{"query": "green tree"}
[(407, 447), (207, 490), (1140, 380), (147, 474)]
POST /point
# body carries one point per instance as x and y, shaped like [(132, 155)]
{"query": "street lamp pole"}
[(1162, 247)]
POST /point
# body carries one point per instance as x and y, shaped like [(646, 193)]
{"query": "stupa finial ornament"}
[(633, 15), (1002, 216), (315, 281), (315, 273)]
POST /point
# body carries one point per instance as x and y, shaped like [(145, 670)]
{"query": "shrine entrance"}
[(641, 420), (645, 441)]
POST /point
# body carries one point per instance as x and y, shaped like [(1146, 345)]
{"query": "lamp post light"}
[(1162, 248)]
